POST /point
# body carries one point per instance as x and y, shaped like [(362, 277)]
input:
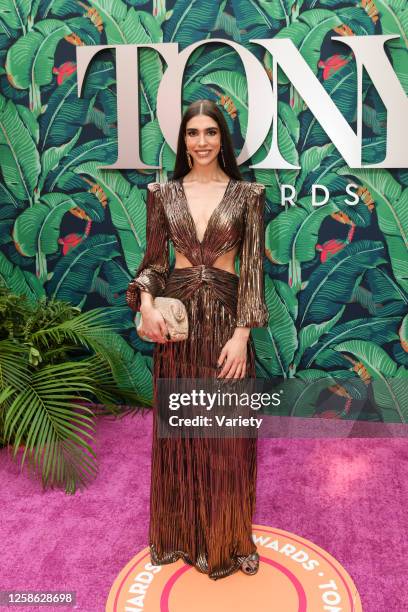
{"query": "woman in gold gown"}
[(203, 489)]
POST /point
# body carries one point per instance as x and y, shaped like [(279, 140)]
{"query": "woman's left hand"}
[(234, 352)]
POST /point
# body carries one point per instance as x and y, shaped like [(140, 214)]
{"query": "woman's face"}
[(203, 139)]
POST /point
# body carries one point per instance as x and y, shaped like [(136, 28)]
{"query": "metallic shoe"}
[(250, 564)]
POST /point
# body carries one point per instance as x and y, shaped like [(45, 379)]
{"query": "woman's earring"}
[(189, 159), (222, 155)]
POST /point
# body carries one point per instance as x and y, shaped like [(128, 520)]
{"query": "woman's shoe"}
[(250, 565)]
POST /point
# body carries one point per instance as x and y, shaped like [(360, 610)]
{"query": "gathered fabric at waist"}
[(184, 282)]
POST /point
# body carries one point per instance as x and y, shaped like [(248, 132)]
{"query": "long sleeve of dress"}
[(251, 307), (153, 271)]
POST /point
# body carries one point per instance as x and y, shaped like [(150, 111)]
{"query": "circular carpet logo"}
[(294, 575)]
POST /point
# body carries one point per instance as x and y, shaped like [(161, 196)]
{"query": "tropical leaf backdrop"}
[(336, 276)]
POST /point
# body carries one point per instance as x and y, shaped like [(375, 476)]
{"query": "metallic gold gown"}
[(203, 489)]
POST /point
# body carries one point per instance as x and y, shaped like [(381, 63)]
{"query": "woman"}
[(202, 489)]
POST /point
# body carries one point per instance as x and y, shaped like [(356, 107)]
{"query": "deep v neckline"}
[(212, 216)]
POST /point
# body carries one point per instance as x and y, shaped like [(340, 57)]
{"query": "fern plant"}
[(54, 363)]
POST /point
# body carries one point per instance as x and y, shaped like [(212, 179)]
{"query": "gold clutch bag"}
[(175, 315)]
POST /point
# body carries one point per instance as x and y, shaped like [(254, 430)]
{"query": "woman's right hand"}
[(153, 324)]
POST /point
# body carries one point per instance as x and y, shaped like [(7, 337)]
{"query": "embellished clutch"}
[(175, 315)]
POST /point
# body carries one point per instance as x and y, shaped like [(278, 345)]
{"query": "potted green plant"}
[(59, 368)]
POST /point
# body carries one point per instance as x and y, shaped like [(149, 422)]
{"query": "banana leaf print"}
[(65, 113), (115, 277), (126, 209), (14, 15), (300, 395), (403, 333), (341, 87), (190, 21), (38, 227), (255, 20), (8, 216), (332, 284), (336, 281), (276, 344), (20, 281), (19, 156), (308, 32), (392, 211), (64, 176), (393, 15), (389, 380), (30, 60), (74, 274), (380, 330), (292, 236)]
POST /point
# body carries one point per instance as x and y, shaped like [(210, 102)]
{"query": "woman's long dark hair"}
[(209, 108)]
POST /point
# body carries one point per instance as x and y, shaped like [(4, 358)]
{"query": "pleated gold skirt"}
[(202, 489)]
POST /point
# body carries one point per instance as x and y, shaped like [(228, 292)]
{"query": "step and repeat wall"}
[(336, 280)]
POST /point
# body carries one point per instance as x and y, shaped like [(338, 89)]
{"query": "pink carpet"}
[(348, 496)]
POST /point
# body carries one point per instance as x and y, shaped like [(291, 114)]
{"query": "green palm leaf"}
[(234, 85), (127, 209), (375, 329), (288, 296), (282, 9), (154, 146), (31, 58), (51, 158), (96, 331), (400, 354), (293, 234), (37, 228), (392, 213), (53, 427), (75, 272), (7, 197), (190, 21), (19, 158), (208, 60), (356, 18), (85, 30), (310, 334), (8, 214), (64, 177), (118, 279), (65, 113), (14, 14), (91, 329), (300, 395), (5, 394), (388, 296), (129, 368), (403, 333), (20, 281), (113, 14), (394, 20), (276, 344), (13, 365), (390, 382), (332, 284), (308, 33), (341, 87), (140, 27)]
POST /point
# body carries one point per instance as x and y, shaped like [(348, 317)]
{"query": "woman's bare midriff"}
[(225, 261)]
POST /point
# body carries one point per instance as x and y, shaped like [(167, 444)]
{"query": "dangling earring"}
[(222, 155), (189, 159)]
